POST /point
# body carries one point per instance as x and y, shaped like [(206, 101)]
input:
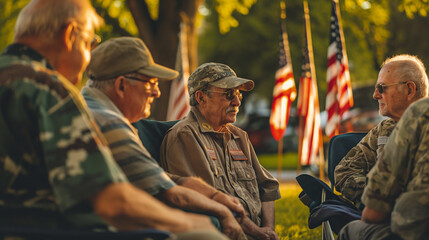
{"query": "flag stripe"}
[(339, 96), (178, 105), (284, 91)]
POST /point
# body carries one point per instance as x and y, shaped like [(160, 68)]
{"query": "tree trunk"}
[(161, 37)]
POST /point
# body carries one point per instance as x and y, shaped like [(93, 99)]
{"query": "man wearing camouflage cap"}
[(207, 145)]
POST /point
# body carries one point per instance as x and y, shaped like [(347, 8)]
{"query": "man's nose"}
[(156, 93)]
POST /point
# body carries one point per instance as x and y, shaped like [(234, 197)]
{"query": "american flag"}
[(284, 92), (178, 105), (308, 102), (339, 97)]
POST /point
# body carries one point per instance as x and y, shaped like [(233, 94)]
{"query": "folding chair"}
[(315, 192), (151, 133), (37, 233)]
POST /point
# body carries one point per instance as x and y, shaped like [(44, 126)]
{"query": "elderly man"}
[(55, 170), (206, 144), (120, 93), (402, 80), (397, 195)]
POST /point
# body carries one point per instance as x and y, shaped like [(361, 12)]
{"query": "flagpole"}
[(301, 136), (279, 158), (314, 79)]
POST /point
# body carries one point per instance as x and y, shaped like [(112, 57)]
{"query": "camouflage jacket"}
[(350, 173), (52, 155), (399, 181)]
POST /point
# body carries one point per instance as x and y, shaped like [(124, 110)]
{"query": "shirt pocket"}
[(246, 178)]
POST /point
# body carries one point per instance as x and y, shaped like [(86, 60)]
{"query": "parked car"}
[(259, 131)]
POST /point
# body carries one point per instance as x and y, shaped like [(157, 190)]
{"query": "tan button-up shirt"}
[(225, 160)]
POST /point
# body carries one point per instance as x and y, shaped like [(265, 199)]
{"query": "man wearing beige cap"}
[(207, 145), (123, 83)]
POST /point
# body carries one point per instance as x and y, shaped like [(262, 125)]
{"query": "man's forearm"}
[(189, 199), (268, 214), (128, 208)]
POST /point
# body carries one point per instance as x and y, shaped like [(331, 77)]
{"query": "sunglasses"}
[(230, 93), (380, 87)]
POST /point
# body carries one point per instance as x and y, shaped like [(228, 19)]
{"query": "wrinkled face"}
[(392, 102), (139, 95), (221, 106)]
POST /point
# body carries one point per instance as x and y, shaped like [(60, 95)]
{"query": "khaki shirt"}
[(226, 161), (350, 173), (399, 181)]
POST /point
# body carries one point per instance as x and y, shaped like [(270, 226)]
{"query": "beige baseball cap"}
[(119, 56)]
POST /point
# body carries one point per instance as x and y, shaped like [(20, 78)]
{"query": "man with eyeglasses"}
[(207, 145), (123, 82), (402, 80), (56, 171)]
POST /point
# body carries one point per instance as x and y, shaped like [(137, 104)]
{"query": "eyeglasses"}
[(230, 93), (380, 87), (152, 81), (95, 40)]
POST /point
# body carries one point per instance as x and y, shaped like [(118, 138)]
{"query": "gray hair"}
[(106, 85), (193, 100), (47, 19), (410, 68)]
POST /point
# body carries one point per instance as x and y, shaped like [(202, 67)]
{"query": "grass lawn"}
[(292, 215), (269, 161)]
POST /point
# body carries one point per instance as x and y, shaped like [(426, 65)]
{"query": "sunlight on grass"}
[(269, 161), (292, 215)]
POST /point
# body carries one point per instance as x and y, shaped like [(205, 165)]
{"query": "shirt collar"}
[(97, 99), (205, 126), (23, 51)]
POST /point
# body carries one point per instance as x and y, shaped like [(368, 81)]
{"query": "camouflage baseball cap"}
[(119, 56), (218, 75)]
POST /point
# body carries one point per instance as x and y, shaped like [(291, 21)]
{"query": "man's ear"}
[(200, 97), (120, 85), (68, 35), (411, 88)]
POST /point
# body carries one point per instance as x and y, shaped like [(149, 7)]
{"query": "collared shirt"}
[(350, 173), (52, 155), (224, 160), (141, 169), (399, 181)]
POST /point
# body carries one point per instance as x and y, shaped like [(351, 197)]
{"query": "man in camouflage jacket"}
[(397, 195), (402, 80)]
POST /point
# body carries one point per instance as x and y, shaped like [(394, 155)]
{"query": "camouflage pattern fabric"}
[(399, 181), (52, 155), (350, 173), (218, 75)]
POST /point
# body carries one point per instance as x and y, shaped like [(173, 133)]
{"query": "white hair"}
[(410, 68)]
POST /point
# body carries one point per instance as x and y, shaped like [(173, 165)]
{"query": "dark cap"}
[(119, 56), (218, 75)]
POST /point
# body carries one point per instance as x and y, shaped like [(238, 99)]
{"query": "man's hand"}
[(232, 203), (264, 233), (231, 228), (272, 235)]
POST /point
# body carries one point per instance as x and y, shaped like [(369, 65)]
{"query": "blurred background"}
[(244, 34)]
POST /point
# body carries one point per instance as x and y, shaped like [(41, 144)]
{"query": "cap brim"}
[(161, 72), (234, 82)]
